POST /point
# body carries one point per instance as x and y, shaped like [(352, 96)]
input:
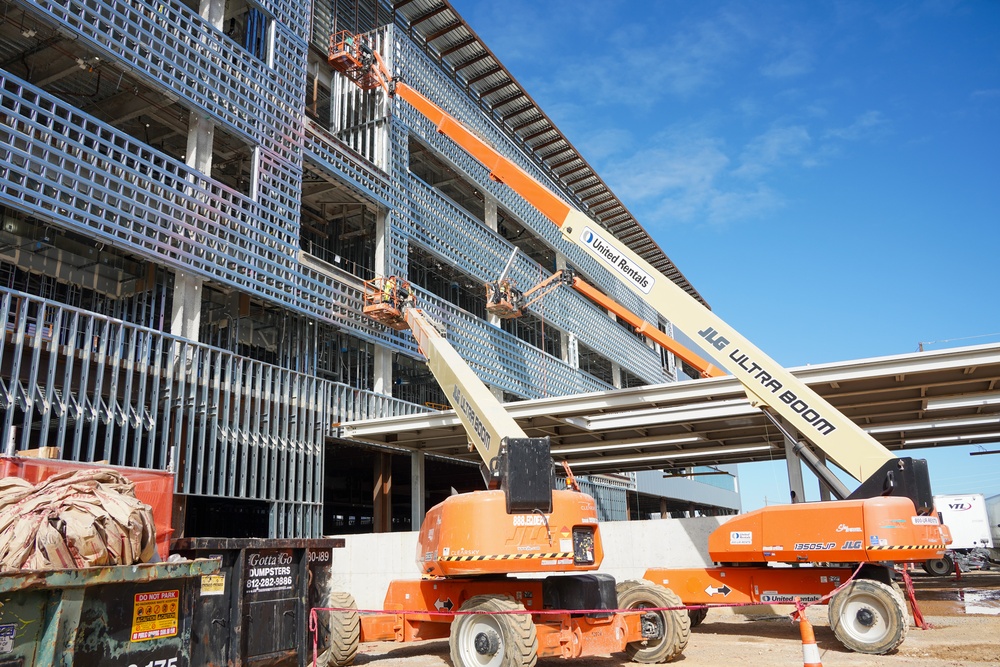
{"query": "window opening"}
[(249, 26), (435, 172), (336, 227), (596, 365), (413, 382), (446, 281)]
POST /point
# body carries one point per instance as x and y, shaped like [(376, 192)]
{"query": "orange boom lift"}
[(470, 544), (887, 518)]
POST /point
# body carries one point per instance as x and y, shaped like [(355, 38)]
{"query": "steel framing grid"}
[(66, 167), (100, 389)]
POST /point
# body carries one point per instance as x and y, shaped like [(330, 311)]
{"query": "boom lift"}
[(469, 545), (507, 308), (888, 518)]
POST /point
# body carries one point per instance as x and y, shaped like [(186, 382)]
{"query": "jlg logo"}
[(960, 507), (714, 338)]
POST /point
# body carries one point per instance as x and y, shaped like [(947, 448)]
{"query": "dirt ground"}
[(964, 615)]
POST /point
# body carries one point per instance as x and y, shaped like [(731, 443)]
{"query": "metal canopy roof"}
[(923, 399), (448, 40)]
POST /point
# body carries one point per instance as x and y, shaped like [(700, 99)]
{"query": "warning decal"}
[(7, 633), (154, 615), (213, 584)]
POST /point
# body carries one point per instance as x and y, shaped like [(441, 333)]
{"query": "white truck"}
[(993, 512), (972, 532)]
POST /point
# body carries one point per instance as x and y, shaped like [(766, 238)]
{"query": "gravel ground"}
[(964, 615)]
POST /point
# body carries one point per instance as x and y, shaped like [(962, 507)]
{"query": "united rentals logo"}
[(617, 260)]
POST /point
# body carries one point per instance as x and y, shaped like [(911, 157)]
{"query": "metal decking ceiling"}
[(908, 401)]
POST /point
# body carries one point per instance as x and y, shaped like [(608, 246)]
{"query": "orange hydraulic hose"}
[(646, 329)]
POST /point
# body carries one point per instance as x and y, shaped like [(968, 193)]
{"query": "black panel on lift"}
[(526, 475), (904, 476), (580, 591)]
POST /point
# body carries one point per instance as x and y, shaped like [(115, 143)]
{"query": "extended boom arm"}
[(767, 384), (520, 465)]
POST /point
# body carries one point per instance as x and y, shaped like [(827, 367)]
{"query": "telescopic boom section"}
[(482, 415), (520, 465), (767, 384)]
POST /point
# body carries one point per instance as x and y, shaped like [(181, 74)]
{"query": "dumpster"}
[(153, 487), (128, 615), (256, 610)]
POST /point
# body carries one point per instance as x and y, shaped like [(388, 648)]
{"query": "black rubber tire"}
[(341, 631), (697, 616), (676, 624), (939, 567), (510, 639), (868, 616)]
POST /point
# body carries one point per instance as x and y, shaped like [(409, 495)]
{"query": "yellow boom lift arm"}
[(868, 615), (768, 385)]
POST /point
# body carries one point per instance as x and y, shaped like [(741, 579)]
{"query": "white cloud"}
[(685, 167), (680, 178), (865, 126), (773, 149), (750, 204), (793, 63)]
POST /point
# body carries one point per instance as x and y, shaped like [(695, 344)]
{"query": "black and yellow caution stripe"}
[(468, 559), (901, 547)]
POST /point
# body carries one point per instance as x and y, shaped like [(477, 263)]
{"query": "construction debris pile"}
[(75, 519)]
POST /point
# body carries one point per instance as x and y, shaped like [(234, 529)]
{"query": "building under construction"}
[(192, 198)]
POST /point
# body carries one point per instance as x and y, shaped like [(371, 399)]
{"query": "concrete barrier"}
[(367, 563)]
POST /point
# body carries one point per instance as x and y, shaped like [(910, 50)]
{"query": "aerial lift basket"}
[(385, 299)]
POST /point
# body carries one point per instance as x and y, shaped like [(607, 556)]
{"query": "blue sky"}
[(826, 174)]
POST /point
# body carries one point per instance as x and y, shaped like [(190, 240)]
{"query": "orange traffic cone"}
[(810, 652)]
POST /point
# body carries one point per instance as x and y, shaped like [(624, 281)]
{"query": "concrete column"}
[(490, 220), (795, 483), (383, 355), (490, 212), (564, 344), (381, 244), (383, 371), (571, 351), (185, 317), (201, 135), (213, 11), (418, 483)]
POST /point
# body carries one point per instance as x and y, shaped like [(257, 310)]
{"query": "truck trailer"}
[(972, 532)]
